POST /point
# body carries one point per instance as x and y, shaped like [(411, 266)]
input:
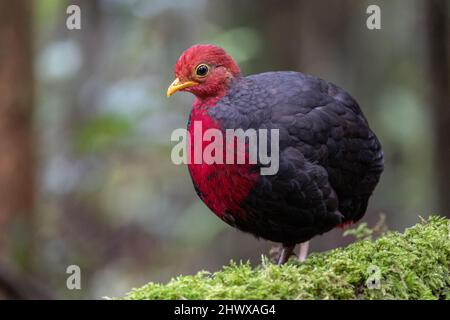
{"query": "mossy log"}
[(412, 265)]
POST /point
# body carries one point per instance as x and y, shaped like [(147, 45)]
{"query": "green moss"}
[(412, 265)]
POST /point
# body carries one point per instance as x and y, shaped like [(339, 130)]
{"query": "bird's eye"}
[(202, 70)]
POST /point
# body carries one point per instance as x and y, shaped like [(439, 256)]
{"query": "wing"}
[(326, 124), (295, 204), (330, 160)]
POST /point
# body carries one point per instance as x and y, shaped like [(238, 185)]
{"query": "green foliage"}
[(412, 265), (102, 132), (363, 232), (242, 43)]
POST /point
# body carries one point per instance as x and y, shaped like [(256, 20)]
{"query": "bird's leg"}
[(303, 253), (286, 252)]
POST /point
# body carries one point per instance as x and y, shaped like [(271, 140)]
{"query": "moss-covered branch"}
[(412, 265)]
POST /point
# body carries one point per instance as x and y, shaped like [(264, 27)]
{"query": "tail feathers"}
[(353, 209)]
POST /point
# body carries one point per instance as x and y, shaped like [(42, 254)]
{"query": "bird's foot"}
[(274, 254), (303, 253), (285, 254)]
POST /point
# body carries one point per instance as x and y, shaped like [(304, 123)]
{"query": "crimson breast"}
[(222, 187)]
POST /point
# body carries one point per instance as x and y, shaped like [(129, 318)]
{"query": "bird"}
[(330, 161)]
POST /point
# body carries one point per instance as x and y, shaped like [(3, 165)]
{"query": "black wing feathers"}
[(330, 160)]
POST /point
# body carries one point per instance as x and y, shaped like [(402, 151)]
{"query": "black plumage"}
[(330, 160)]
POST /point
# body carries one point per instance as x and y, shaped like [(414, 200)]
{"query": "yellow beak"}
[(178, 85)]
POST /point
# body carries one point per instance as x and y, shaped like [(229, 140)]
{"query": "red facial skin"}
[(221, 186), (222, 69)]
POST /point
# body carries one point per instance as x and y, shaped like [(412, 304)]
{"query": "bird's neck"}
[(209, 101)]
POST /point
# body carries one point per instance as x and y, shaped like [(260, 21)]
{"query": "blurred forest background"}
[(85, 170)]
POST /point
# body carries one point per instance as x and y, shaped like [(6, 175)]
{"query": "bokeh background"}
[(85, 170)]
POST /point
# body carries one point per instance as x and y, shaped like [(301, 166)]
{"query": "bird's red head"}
[(204, 70)]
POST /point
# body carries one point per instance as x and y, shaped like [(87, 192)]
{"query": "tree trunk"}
[(439, 76), (16, 136)]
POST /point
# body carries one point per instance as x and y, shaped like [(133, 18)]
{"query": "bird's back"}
[(330, 160)]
